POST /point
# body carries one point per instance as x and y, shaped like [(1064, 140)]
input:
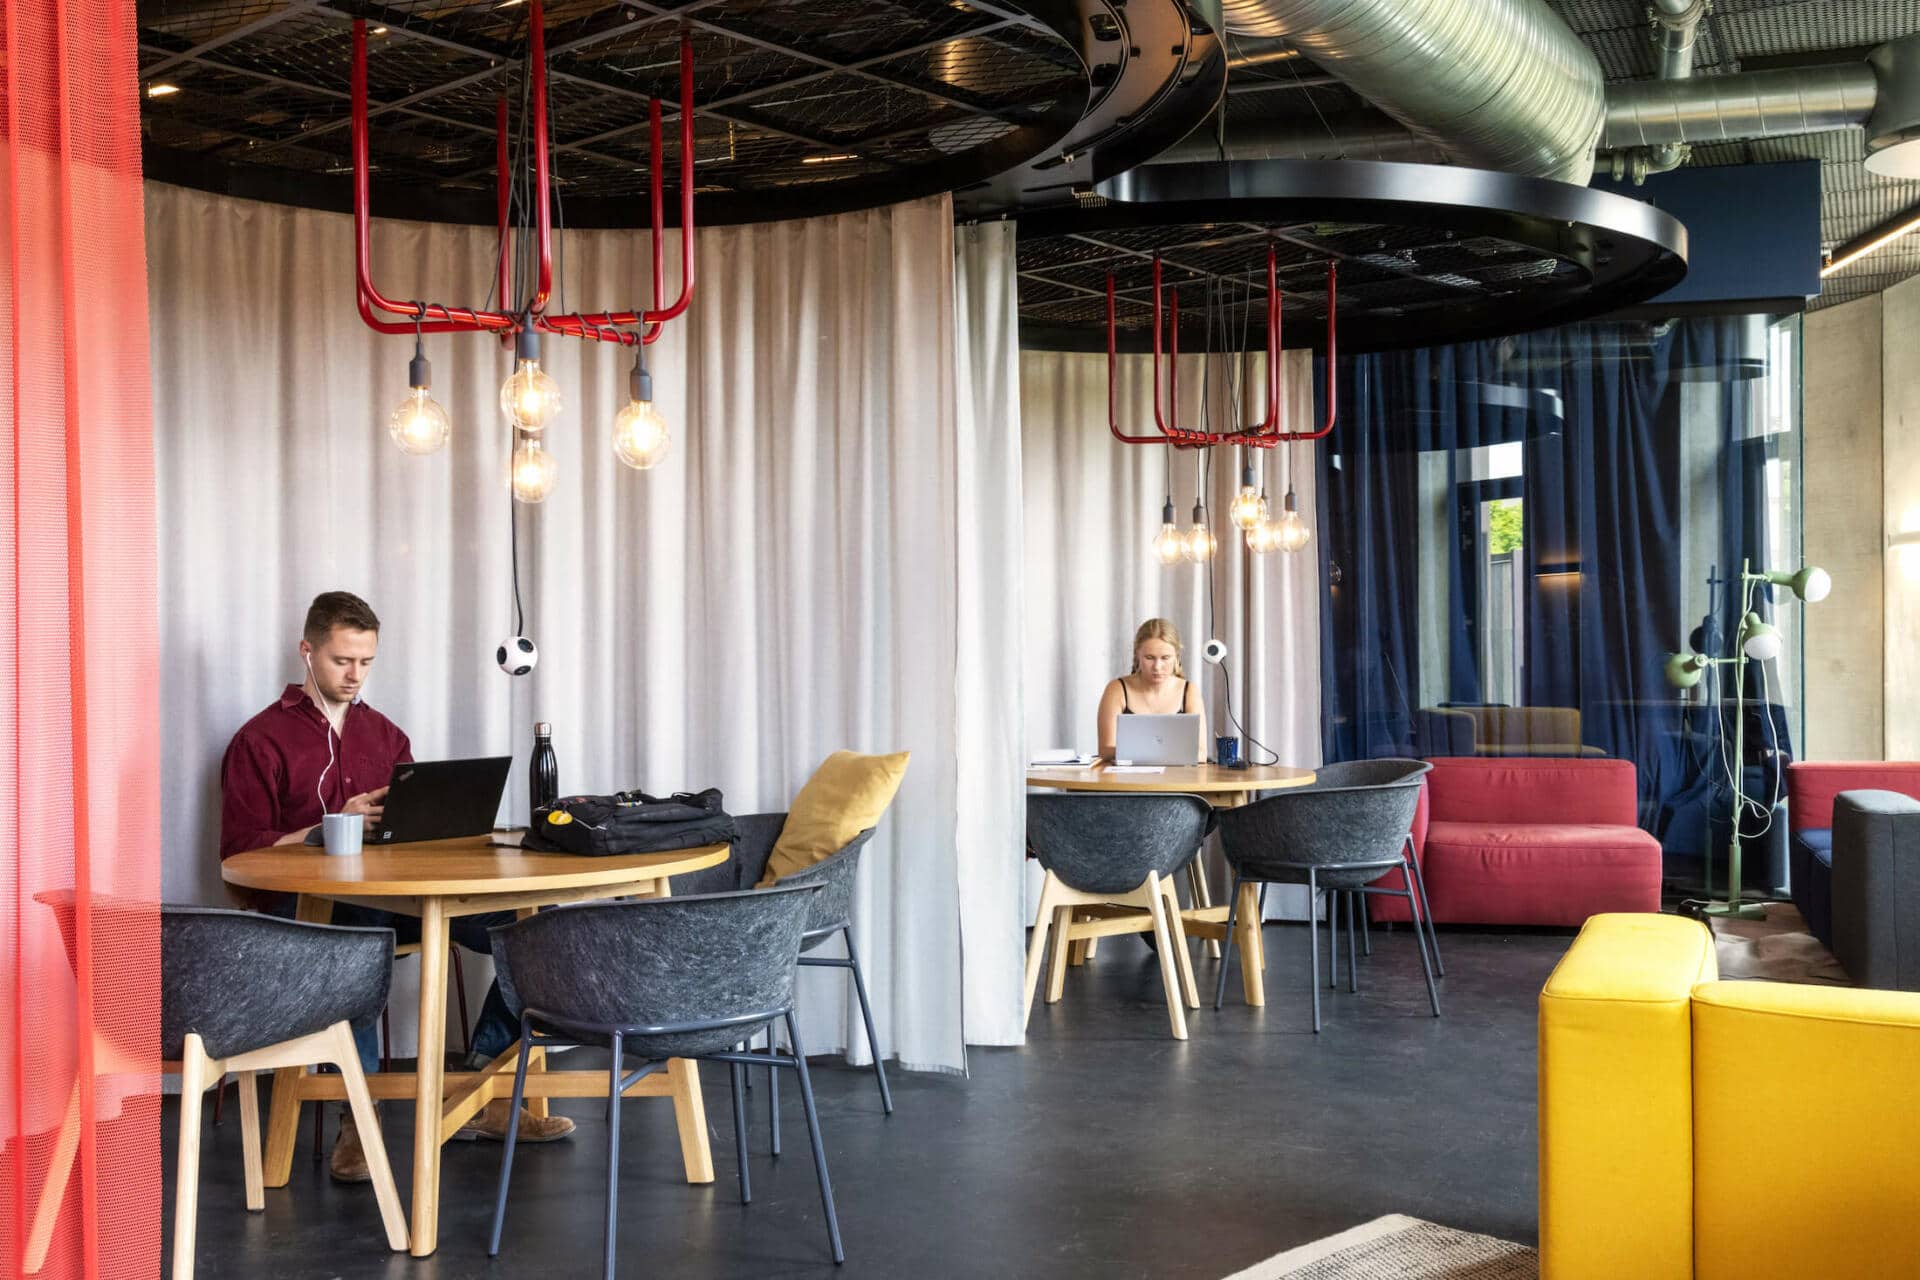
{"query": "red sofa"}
[(1530, 841)]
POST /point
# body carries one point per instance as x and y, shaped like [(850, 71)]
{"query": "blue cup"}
[(1226, 752)]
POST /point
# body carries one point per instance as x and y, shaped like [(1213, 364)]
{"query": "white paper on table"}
[(1060, 755), (1136, 768)]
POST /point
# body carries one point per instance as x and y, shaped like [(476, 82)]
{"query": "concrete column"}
[(1843, 425), (1900, 513)]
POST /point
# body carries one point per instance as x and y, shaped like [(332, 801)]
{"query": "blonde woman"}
[(1157, 685)]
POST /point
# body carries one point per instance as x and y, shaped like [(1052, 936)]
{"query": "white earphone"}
[(326, 713)]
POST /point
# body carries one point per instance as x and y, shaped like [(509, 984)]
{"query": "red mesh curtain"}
[(79, 743)]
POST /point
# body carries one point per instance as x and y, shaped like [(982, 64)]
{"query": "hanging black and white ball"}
[(516, 655)]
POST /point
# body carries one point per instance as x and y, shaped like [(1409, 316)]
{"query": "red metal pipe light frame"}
[(1262, 435), (433, 317), (599, 325)]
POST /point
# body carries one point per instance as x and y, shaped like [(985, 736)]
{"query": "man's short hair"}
[(332, 609)]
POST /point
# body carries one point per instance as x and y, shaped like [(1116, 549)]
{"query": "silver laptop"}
[(1157, 739)]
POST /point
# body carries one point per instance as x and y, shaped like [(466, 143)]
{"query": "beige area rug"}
[(1776, 949), (1400, 1248)]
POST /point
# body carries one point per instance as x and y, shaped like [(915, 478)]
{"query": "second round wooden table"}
[(1223, 789)]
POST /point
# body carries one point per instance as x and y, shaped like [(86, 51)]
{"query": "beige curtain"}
[(801, 574)]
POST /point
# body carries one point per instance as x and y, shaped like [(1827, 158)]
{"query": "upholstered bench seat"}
[(1538, 873)]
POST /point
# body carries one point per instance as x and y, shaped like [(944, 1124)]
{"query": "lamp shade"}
[(1685, 669), (1758, 639), (1810, 582)]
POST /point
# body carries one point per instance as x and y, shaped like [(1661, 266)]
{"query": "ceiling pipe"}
[(1676, 24), (1497, 84)]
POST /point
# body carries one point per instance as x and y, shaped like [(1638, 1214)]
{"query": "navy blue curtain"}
[(1609, 483)]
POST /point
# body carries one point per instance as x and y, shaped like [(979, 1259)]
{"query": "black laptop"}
[(439, 800)]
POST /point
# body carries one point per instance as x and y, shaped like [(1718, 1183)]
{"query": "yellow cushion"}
[(846, 795), (1806, 1132), (1616, 1131)]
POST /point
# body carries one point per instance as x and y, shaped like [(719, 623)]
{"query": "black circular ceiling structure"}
[(801, 106), (1427, 254)]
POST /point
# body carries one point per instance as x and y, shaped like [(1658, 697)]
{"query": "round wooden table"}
[(436, 881), (1223, 789)]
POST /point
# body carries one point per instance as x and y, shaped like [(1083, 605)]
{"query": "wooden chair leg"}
[(1183, 958), (1057, 970), (250, 1141), (186, 1187), (367, 1121), (1169, 976), (1037, 946), (53, 1192)]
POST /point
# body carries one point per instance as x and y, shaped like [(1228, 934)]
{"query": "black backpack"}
[(629, 822)]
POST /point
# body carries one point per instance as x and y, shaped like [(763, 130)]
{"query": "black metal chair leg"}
[(866, 1012), (1353, 961), (513, 1131), (736, 1077), (1313, 943), (460, 989), (773, 1090), (1413, 911), (813, 1136), (1226, 946), (1366, 929), (1433, 993), (613, 1151), (1333, 939), (1426, 909)]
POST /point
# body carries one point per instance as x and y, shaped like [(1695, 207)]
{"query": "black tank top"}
[(1127, 710)]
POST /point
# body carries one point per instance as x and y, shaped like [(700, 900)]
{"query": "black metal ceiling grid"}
[(788, 93)]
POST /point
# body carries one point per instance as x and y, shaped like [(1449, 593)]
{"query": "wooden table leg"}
[(690, 1113), (427, 1082), (1202, 894), (283, 1115), (1246, 930)]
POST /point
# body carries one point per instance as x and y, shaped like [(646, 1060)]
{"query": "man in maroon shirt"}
[(320, 749)]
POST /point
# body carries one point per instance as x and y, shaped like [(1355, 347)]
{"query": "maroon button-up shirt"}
[(270, 780)]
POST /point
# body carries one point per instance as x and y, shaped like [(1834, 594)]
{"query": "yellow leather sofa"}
[(1721, 1130)]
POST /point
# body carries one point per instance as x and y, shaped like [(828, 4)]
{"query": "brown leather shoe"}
[(491, 1124), (348, 1162)]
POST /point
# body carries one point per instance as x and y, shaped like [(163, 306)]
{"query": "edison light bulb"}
[(419, 424), (639, 430), (534, 472), (1169, 545), (1249, 509), (640, 435), (1263, 537), (1290, 532), (530, 397), (1199, 543)]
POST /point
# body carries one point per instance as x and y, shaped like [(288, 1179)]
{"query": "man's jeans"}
[(496, 1029)]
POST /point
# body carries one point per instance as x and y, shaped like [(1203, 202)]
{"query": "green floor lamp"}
[(1756, 641)]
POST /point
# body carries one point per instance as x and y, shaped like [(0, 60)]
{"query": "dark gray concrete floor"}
[(1101, 1149)]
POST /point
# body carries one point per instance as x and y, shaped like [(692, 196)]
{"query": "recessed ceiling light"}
[(161, 90), (378, 31)]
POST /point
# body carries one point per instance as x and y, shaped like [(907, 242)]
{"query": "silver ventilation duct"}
[(1505, 84), (1496, 84), (1754, 104)]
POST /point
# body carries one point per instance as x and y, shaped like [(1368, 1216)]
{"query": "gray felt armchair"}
[(1876, 888)]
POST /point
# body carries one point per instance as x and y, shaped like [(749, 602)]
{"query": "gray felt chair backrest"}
[(724, 958), (833, 906), (1355, 815), (1100, 843), (244, 981)]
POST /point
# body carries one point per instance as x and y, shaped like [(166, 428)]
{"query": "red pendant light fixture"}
[(529, 398)]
